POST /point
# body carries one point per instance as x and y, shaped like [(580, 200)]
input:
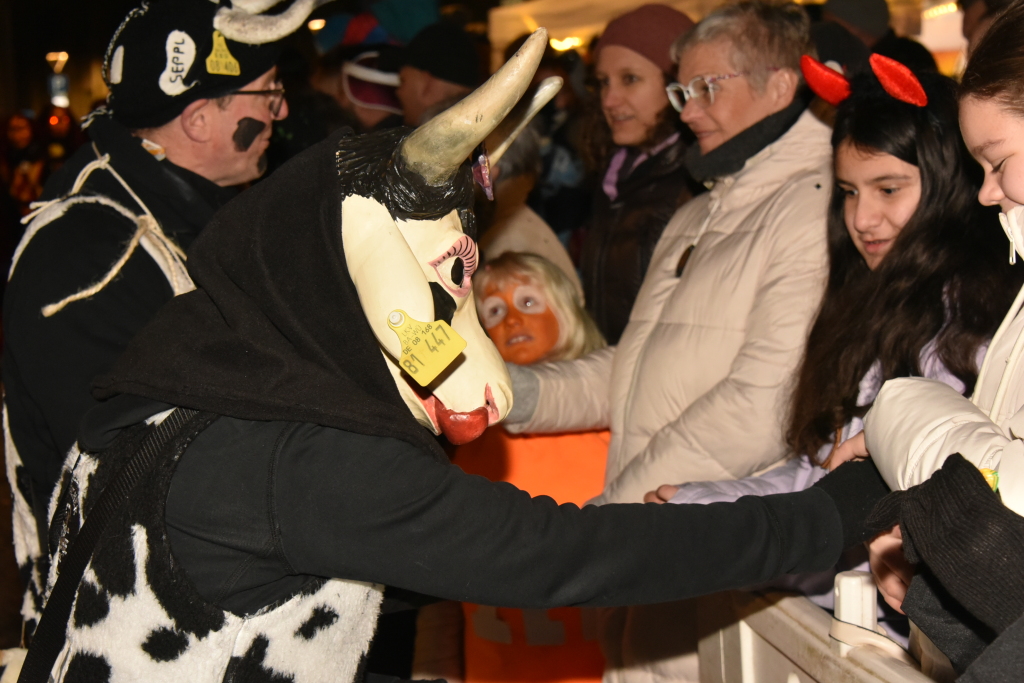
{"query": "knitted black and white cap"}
[(169, 53)]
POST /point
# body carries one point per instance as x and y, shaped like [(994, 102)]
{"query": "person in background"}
[(312, 115), (917, 285), (351, 74), (696, 388), (61, 136), (533, 313), (868, 20), (563, 193), (108, 248), (978, 18), (22, 162), (508, 224), (638, 143), (439, 67)]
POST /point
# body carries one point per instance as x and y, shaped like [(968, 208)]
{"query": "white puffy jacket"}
[(916, 423), (697, 387)]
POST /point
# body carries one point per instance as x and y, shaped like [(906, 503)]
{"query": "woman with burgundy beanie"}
[(639, 144)]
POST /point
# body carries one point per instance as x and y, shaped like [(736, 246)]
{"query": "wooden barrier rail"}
[(776, 638)]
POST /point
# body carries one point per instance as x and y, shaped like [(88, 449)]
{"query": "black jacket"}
[(623, 233), (49, 363), (257, 510)]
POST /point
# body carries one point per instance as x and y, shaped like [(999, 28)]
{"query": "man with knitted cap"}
[(868, 20), (193, 94), (439, 67)]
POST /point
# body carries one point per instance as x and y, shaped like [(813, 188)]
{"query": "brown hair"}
[(996, 67)]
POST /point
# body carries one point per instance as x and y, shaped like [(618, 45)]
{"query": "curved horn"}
[(436, 149), (548, 88), (254, 6), (826, 83), (243, 26), (898, 80)]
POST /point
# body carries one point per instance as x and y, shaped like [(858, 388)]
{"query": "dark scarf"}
[(275, 330), (730, 156)]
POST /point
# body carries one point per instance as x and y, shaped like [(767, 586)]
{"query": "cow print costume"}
[(137, 617)]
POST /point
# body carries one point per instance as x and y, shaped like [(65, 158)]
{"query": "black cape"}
[(275, 330)]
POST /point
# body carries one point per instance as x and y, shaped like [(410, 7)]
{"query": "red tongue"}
[(460, 428)]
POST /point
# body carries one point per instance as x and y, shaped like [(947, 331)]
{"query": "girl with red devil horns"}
[(918, 280), (966, 528)]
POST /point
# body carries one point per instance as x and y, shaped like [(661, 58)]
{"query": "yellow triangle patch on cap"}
[(221, 62)]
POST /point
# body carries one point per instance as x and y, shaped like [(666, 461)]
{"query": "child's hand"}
[(889, 567), (662, 494), (853, 448)]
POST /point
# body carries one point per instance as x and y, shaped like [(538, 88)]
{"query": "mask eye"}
[(456, 266)]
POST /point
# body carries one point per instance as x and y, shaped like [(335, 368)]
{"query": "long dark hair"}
[(946, 277)]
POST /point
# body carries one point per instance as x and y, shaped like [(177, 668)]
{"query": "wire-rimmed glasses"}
[(275, 98)]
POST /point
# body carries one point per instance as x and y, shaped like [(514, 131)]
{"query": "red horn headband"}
[(898, 80), (826, 83)]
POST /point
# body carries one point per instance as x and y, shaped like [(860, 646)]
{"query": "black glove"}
[(855, 488), (970, 541)]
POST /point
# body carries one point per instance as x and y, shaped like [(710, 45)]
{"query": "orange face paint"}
[(519, 320)]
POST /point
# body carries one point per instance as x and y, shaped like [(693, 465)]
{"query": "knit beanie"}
[(870, 16), (648, 30), (167, 54), (444, 51), (971, 542)]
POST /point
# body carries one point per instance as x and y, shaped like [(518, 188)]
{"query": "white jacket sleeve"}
[(573, 395), (915, 424), (735, 428), (795, 475)]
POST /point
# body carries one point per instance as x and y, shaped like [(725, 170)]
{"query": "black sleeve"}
[(50, 363), (377, 509)]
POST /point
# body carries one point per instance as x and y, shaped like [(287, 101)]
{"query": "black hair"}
[(371, 165), (945, 279)]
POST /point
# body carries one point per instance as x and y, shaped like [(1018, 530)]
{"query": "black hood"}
[(275, 330)]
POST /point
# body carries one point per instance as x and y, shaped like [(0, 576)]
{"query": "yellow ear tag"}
[(991, 477), (427, 348), (220, 61)]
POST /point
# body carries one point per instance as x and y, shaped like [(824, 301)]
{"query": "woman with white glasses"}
[(696, 388)]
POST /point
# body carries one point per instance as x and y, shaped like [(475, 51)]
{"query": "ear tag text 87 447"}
[(427, 348)]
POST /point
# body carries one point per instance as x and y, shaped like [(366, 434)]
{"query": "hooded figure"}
[(264, 462)]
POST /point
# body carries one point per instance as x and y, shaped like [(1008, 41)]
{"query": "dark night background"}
[(31, 28)]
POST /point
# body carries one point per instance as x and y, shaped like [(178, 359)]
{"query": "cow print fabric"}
[(137, 616)]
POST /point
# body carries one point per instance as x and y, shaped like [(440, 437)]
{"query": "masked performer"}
[(265, 460)]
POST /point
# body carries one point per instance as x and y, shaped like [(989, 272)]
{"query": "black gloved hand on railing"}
[(973, 544)]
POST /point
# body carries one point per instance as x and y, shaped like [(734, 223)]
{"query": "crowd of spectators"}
[(729, 256)]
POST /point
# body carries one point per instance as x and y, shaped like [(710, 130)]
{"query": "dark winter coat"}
[(622, 234), (49, 362)]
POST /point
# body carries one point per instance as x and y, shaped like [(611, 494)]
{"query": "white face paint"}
[(181, 53), (392, 265)]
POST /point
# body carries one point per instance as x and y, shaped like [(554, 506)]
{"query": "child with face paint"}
[(532, 312)]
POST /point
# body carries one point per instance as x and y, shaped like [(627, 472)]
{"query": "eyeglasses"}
[(702, 89), (276, 96)]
